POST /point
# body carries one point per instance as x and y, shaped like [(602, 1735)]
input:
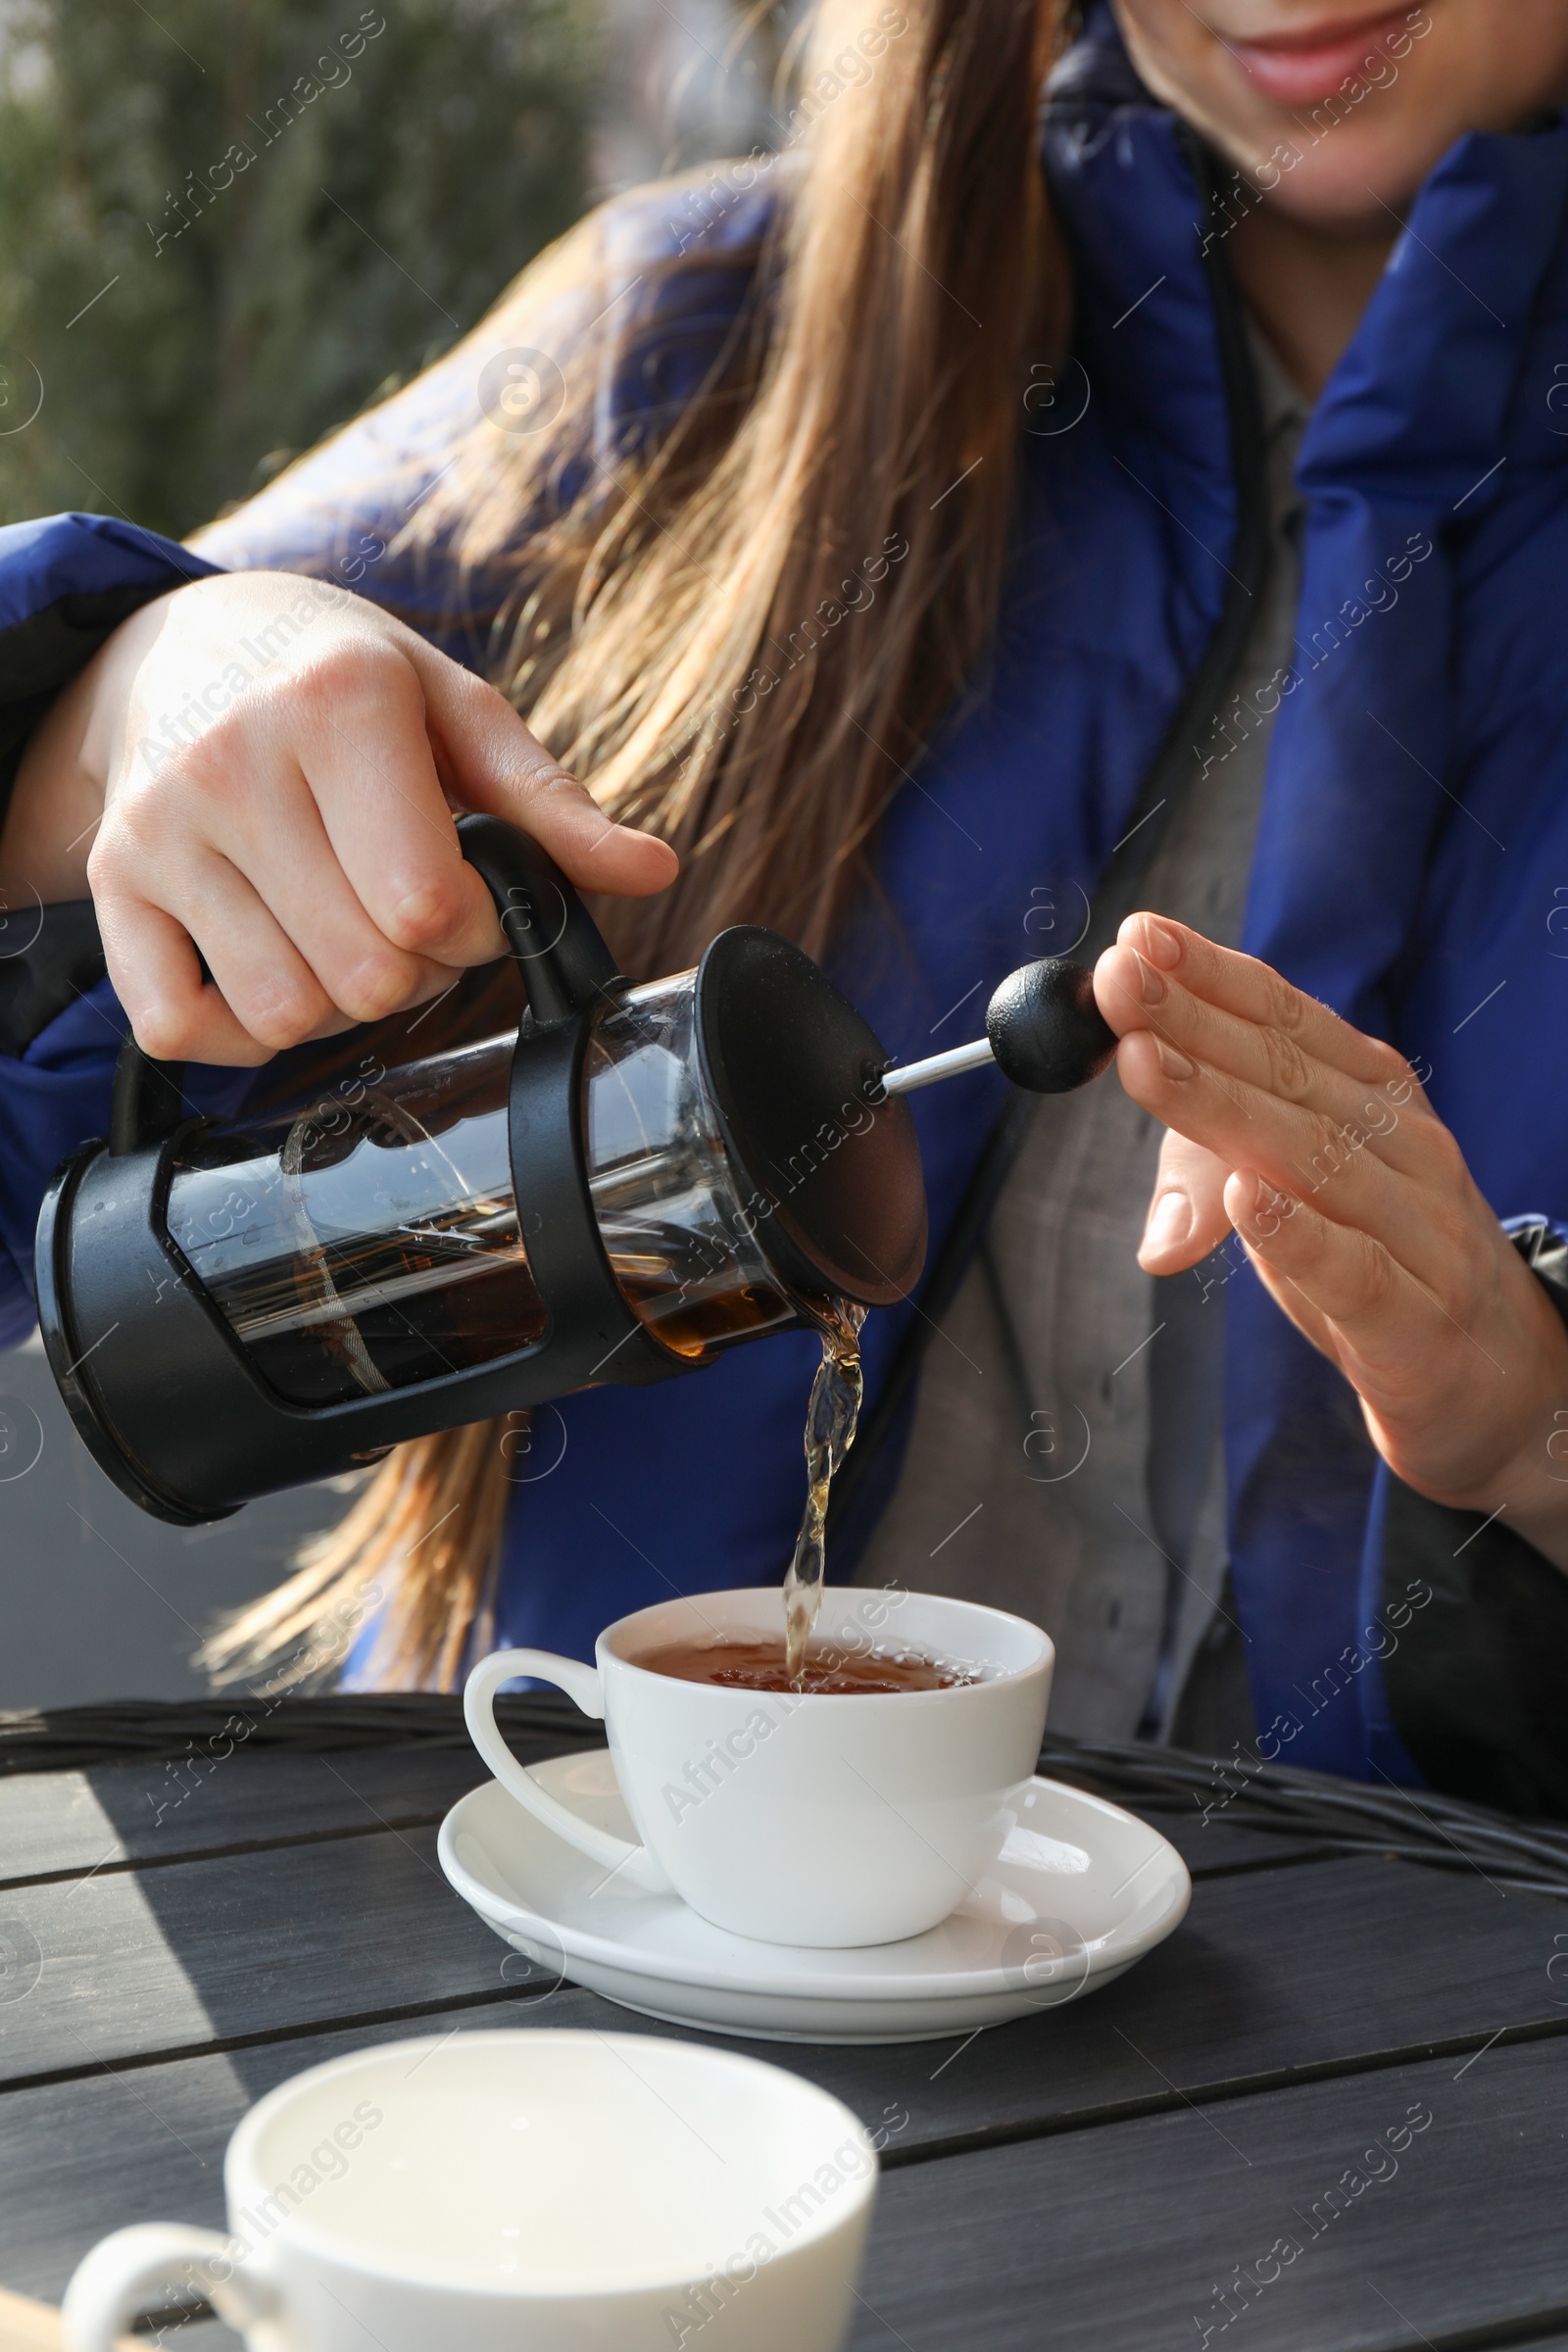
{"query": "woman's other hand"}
[(264, 768), (1317, 1145)]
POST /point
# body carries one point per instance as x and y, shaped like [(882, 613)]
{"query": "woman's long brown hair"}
[(741, 631)]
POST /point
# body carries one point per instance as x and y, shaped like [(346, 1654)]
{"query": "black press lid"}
[(792, 1071)]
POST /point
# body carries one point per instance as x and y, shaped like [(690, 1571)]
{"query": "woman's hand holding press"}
[(1317, 1145), (264, 768)]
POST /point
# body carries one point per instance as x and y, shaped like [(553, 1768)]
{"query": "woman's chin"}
[(1356, 181)]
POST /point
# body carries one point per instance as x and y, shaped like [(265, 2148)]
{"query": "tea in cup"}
[(862, 1808)]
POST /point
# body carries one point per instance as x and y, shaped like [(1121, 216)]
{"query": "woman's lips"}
[(1295, 69)]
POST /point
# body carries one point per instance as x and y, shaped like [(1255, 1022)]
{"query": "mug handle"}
[(582, 1686), (110, 2285)]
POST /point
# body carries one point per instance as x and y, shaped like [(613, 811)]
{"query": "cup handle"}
[(581, 1684), (110, 2285)]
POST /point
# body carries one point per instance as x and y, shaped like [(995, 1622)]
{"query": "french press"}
[(637, 1179)]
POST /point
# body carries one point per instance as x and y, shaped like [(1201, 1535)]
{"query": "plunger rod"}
[(950, 1065), (1044, 1031)]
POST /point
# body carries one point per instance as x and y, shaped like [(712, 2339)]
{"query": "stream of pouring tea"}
[(830, 1419)]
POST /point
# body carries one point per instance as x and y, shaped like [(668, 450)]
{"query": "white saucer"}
[(1081, 1892)]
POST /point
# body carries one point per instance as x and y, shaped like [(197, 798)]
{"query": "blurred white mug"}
[(558, 2189)]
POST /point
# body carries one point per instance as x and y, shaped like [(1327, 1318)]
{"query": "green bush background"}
[(380, 221)]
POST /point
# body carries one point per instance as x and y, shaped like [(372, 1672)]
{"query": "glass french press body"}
[(638, 1179)]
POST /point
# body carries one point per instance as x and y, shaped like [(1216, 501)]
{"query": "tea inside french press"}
[(633, 1181), (372, 1238)]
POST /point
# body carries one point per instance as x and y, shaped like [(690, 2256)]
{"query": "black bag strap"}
[(1170, 775)]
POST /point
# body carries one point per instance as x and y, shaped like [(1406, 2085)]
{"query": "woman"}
[(774, 506)]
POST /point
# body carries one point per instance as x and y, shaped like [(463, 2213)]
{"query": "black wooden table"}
[(1331, 2112)]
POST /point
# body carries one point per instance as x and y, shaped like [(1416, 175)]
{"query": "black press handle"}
[(1046, 1033), (148, 1100), (565, 967), (565, 964)]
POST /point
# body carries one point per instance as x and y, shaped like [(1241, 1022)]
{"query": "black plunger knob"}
[(1045, 1030)]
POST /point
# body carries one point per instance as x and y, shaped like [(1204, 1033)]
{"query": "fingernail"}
[(1170, 1221), (1162, 945), (1150, 986), (1173, 1063)]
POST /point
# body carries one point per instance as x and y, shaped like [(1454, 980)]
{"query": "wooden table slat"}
[(1185, 2025), (1123, 2231), (1094, 2175), (170, 1959), (1128, 2237), (52, 1823), (1290, 1968), (57, 1823)]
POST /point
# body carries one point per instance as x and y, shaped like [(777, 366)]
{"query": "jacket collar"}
[(1425, 398)]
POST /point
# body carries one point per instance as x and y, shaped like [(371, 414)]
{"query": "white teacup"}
[(488, 2190), (822, 1818)]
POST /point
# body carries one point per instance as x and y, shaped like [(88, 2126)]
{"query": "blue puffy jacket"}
[(1412, 855)]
